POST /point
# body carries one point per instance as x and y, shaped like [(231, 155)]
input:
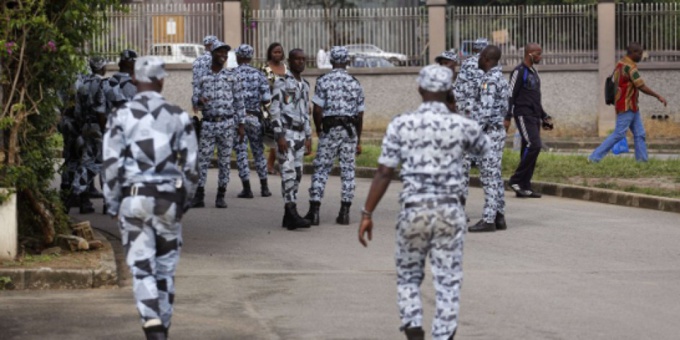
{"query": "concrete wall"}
[(570, 95)]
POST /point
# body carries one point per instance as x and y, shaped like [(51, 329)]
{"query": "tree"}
[(43, 43)]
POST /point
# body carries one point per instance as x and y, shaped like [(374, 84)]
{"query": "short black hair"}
[(294, 51), (492, 52), (271, 48)]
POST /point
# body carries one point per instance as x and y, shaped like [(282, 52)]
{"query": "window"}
[(162, 50), (188, 51)]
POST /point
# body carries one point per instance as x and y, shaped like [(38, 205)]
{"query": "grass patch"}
[(29, 259)]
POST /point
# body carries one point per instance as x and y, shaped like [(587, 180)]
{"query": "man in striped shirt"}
[(629, 84)]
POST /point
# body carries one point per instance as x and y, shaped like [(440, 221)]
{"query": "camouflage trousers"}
[(151, 234), (438, 231), (255, 138), (467, 165), (221, 134), (291, 165), (490, 176), (89, 148), (334, 144)]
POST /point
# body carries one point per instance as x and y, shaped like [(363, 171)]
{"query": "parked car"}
[(185, 53), (361, 61), (373, 51)]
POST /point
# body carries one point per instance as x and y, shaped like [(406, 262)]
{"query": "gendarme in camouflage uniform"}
[(429, 144), (256, 93), (339, 98), (490, 110), (201, 67), (150, 175), (119, 89)]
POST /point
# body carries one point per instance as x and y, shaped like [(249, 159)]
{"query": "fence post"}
[(232, 23), (606, 59), (436, 10)]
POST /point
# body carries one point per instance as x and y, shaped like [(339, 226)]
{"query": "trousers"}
[(291, 165), (254, 138), (222, 135), (334, 144), (490, 175)]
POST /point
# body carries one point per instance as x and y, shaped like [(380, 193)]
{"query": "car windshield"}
[(188, 51), (163, 50)]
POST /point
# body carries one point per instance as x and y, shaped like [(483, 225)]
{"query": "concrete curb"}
[(103, 276)]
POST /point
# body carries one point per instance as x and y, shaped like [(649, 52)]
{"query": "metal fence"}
[(655, 26), (141, 26), (567, 33), (394, 30)]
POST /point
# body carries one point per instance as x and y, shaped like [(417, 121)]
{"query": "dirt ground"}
[(89, 259)]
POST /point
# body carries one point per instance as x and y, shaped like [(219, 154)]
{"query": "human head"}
[(532, 53), (208, 41), (448, 59), (220, 53), (275, 52), (149, 74), (296, 60), (339, 56), (489, 57), (479, 45), (97, 65), (127, 61), (434, 82), (634, 51), (244, 54)]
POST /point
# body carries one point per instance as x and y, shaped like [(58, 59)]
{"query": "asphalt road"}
[(564, 269)]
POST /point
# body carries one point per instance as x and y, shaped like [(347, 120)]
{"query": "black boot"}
[(343, 216), (313, 213), (85, 203), (69, 199), (415, 333), (291, 218), (155, 333), (482, 226), (264, 188), (246, 193), (198, 201), (219, 200), (500, 222), (94, 193)]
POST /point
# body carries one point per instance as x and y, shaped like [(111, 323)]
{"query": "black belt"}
[(254, 113), (300, 128), (216, 119), (332, 121), (152, 191), (433, 203)]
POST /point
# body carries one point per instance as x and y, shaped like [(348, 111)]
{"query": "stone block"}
[(47, 278)]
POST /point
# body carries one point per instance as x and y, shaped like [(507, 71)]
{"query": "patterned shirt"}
[(255, 87), (225, 95), (492, 104), (290, 105), (91, 100), (148, 140), (466, 86), (118, 90), (628, 81), (200, 67), (339, 94), (429, 143)]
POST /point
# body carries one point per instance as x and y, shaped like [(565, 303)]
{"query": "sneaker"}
[(516, 188)]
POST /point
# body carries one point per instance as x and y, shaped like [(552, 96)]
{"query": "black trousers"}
[(530, 131)]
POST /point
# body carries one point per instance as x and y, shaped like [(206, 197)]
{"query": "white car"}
[(185, 53), (373, 51)]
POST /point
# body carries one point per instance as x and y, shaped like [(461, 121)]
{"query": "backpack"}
[(610, 90)]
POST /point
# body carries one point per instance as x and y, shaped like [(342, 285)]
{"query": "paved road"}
[(564, 269)]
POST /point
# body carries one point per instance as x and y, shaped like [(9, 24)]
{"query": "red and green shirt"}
[(628, 79)]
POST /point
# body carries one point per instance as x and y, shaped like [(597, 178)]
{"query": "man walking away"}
[(429, 144), (290, 114), (150, 175), (338, 117), (526, 107), (629, 84), (119, 89), (490, 110)]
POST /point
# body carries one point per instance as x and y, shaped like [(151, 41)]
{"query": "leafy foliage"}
[(41, 48)]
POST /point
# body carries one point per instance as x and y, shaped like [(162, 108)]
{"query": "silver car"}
[(373, 51)]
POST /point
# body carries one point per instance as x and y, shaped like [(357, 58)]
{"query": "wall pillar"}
[(606, 59), (8, 226), (436, 10), (231, 20)]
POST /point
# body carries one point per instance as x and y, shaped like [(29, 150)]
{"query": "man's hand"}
[(195, 109), (241, 133), (283, 146), (506, 124), (308, 146), (366, 227), (661, 99), (547, 124), (203, 100), (358, 149)]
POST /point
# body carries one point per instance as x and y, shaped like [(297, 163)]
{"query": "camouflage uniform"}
[(340, 96), (429, 144), (222, 115), (150, 174), (119, 89), (491, 108), (255, 91), (290, 115), (200, 68), (91, 105), (70, 131)]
